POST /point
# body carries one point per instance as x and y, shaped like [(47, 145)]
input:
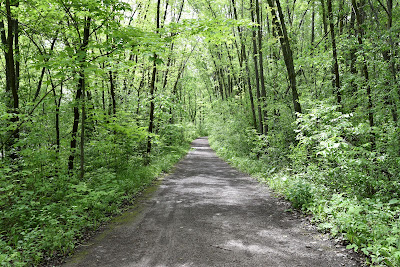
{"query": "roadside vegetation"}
[(350, 192), (88, 118), (47, 217), (98, 97)]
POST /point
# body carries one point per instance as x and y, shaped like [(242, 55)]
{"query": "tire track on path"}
[(207, 214)]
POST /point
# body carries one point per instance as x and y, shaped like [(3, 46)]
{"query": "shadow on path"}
[(208, 214)]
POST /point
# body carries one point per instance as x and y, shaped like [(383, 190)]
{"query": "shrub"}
[(300, 194)]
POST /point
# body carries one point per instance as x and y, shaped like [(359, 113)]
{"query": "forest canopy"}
[(98, 97)]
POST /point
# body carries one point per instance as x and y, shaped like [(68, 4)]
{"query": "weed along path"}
[(208, 214)]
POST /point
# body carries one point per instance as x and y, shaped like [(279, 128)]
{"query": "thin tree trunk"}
[(172, 47), (79, 98), (17, 63), (57, 103), (287, 52), (141, 84), (340, 17), (246, 63), (152, 87), (336, 81), (112, 93), (75, 126), (352, 57), (256, 71), (12, 73), (103, 99), (389, 56), (165, 13), (39, 86), (83, 126), (166, 72), (234, 79), (365, 71), (313, 24), (180, 72), (224, 87), (57, 118), (151, 115), (324, 23), (262, 79), (219, 76)]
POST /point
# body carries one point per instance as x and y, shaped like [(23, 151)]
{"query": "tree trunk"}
[(39, 86), (152, 87), (17, 64), (335, 67), (287, 52), (313, 24), (57, 103), (175, 87), (141, 85), (219, 76), (325, 25), (256, 72), (246, 63), (112, 93), (262, 79), (57, 118), (360, 35), (221, 71), (234, 79), (12, 73), (389, 56), (169, 61), (352, 57), (79, 97), (340, 16)]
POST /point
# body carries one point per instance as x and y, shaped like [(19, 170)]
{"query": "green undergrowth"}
[(44, 218), (368, 225)]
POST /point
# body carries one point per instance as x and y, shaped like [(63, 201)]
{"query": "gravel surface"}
[(207, 213)]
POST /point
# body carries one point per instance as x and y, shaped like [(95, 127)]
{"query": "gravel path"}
[(208, 214)]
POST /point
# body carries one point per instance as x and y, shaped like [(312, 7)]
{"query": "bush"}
[(300, 194)]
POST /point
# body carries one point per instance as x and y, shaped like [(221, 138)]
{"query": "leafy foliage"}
[(103, 99), (74, 152), (44, 217), (325, 168)]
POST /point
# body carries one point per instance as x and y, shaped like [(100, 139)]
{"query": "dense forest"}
[(99, 97)]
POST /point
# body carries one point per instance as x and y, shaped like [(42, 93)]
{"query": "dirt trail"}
[(208, 214)]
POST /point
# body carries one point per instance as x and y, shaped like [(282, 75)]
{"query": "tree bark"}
[(256, 71), (10, 43), (325, 25), (360, 35), (389, 56), (152, 86), (286, 50), (39, 86), (219, 76), (335, 67), (57, 117), (352, 58), (246, 63), (79, 98), (262, 79), (313, 24), (112, 93), (232, 75)]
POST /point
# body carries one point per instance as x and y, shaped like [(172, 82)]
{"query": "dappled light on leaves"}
[(98, 97)]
